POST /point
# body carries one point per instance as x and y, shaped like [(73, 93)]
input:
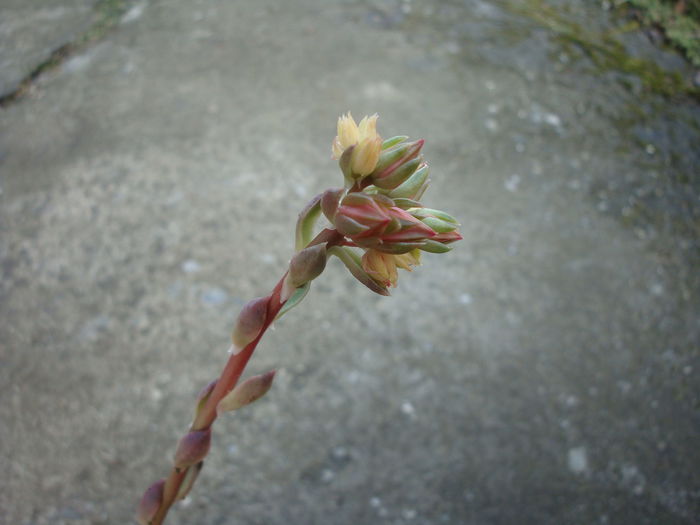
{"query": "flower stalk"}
[(377, 227)]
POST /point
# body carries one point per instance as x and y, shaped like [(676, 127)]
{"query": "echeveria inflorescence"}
[(377, 226)]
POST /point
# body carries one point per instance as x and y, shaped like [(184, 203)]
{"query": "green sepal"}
[(330, 200), (393, 141), (306, 222), (389, 157), (353, 263), (411, 188), (294, 299), (396, 248), (344, 163), (435, 247), (406, 204), (439, 225), (421, 213)]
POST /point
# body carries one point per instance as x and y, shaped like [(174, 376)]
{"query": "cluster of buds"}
[(378, 226), (379, 209)]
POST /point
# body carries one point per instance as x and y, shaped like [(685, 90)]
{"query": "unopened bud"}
[(150, 502), (414, 186), (307, 264), (438, 220), (188, 482), (244, 394), (330, 200), (392, 160), (193, 448), (250, 321)]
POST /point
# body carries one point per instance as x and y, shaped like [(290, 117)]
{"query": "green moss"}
[(680, 22), (605, 50)]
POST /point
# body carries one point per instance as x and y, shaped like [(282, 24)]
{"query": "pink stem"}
[(229, 377)]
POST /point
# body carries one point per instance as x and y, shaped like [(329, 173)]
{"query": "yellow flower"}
[(382, 266), (407, 261), (364, 137)]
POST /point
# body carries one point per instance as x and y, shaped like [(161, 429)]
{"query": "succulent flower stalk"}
[(377, 225)]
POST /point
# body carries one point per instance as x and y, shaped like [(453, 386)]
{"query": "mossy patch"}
[(604, 49), (678, 19)]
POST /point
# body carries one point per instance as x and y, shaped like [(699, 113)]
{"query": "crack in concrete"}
[(108, 14)]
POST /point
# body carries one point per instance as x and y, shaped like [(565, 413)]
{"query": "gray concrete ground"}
[(544, 372)]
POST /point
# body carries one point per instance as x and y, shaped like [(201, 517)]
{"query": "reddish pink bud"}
[(248, 391), (193, 448), (307, 264), (373, 221), (250, 321), (150, 502)]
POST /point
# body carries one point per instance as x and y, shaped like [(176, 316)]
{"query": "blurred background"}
[(153, 158)]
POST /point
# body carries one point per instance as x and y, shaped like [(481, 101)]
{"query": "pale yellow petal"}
[(365, 156), (407, 261), (348, 133), (380, 266), (368, 127)]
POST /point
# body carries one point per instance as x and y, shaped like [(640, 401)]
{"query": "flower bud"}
[(353, 263), (414, 186), (438, 220), (396, 165), (150, 502), (187, 483), (381, 267), (307, 264), (373, 221), (248, 391), (250, 321), (192, 448)]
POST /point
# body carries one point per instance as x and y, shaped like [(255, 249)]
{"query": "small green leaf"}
[(296, 297), (307, 221)]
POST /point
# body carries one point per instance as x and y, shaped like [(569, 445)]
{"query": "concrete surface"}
[(30, 31), (544, 372)]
